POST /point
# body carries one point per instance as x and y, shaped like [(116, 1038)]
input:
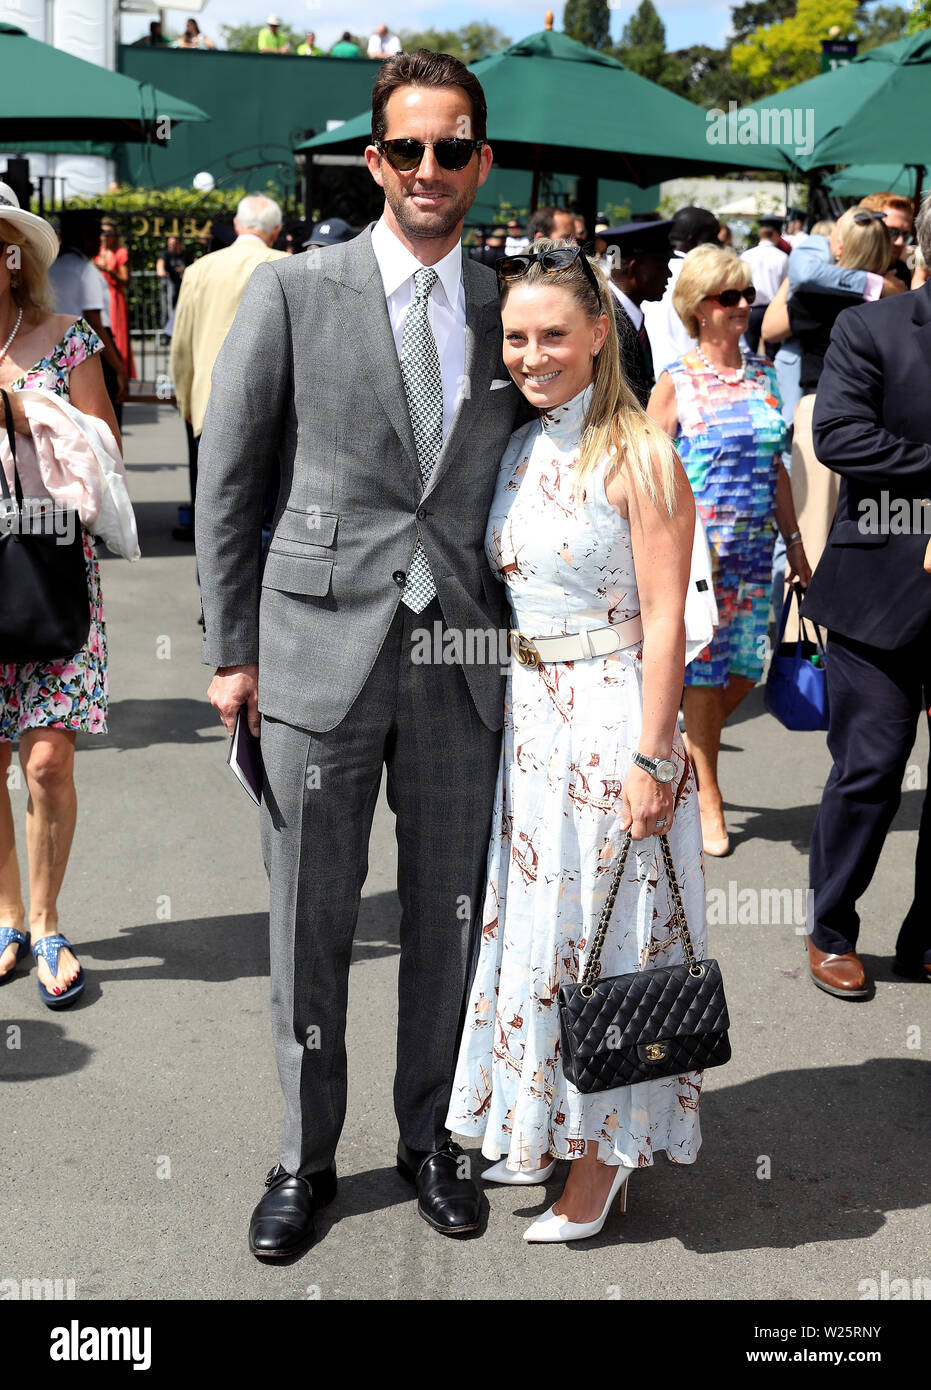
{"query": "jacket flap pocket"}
[(297, 574), (312, 527), (847, 531)]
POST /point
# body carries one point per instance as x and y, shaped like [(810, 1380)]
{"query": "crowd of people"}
[(619, 411), (273, 39)]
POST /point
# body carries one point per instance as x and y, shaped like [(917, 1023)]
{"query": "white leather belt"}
[(599, 641)]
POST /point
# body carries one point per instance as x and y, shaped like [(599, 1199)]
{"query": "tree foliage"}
[(789, 51), (588, 22), (468, 44)]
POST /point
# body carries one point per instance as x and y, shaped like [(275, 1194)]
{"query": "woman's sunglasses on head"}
[(405, 155), (551, 262), (729, 299), (864, 216)]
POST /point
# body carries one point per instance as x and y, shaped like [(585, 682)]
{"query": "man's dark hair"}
[(424, 68), (542, 222)]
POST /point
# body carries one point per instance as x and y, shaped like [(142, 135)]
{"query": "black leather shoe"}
[(912, 968), (282, 1224), (450, 1203)]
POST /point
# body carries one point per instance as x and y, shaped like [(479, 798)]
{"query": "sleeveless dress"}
[(69, 693), (570, 730), (729, 440)]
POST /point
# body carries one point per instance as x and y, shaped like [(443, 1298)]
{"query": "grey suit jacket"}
[(307, 390)]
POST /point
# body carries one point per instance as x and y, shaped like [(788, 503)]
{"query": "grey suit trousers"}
[(419, 721)]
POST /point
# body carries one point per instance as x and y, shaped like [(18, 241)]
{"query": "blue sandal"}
[(48, 948), (9, 936)]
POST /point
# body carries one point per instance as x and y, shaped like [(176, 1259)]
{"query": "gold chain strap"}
[(591, 965)]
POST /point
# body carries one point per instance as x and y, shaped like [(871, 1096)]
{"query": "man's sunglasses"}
[(405, 155), (729, 299), (552, 262)]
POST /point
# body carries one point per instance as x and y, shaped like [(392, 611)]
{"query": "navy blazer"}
[(872, 425)]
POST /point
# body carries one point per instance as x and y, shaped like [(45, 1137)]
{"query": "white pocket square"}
[(497, 384)]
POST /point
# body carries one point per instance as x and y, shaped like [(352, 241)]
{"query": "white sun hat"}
[(39, 233), (273, 19)]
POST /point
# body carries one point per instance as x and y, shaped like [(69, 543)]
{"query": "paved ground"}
[(139, 1125)]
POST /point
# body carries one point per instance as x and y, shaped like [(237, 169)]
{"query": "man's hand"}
[(891, 285), (231, 687), (122, 386), (797, 566)]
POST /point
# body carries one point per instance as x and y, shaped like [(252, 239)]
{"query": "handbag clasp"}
[(655, 1052)]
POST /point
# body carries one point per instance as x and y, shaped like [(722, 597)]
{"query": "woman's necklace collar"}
[(737, 373), (6, 345)]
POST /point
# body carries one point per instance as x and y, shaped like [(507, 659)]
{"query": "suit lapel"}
[(921, 317), (360, 301)]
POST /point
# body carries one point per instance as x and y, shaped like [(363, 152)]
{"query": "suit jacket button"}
[(420, 513), (400, 578)]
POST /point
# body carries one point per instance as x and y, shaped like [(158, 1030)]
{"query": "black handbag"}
[(44, 606), (653, 1023)]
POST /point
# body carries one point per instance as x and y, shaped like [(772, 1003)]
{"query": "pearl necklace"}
[(728, 380), (3, 350)]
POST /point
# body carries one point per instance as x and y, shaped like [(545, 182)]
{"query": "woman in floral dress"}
[(43, 706), (590, 528)]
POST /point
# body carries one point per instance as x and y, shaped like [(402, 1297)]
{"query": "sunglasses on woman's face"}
[(405, 155), (552, 262), (729, 299)]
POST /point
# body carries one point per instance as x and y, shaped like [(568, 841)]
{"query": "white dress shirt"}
[(769, 267), (445, 308), (665, 330), (77, 285), (632, 310), (385, 47)]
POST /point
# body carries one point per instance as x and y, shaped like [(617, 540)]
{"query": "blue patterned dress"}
[(70, 693), (729, 441), (570, 731)]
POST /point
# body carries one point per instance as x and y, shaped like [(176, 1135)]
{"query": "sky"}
[(686, 22)]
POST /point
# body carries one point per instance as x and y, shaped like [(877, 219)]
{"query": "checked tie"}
[(423, 385)]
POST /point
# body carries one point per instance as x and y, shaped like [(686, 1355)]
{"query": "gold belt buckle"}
[(523, 648)]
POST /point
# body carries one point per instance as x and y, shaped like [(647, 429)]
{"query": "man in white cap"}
[(270, 39)]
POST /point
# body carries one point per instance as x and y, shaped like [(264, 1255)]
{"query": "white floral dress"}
[(570, 730)]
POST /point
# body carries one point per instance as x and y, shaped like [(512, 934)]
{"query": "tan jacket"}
[(210, 293)]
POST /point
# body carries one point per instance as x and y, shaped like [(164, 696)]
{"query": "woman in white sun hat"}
[(43, 706)]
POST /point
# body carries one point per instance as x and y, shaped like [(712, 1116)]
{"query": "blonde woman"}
[(591, 531), (722, 407), (43, 706)]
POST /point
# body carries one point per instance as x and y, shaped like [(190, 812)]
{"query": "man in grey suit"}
[(366, 379)]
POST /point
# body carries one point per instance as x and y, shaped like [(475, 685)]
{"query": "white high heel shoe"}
[(551, 1227), (500, 1172)]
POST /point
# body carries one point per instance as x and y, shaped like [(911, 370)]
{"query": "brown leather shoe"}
[(841, 975)]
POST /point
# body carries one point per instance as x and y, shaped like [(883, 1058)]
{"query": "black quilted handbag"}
[(653, 1023)]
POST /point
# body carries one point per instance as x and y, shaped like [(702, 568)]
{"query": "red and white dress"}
[(570, 730)]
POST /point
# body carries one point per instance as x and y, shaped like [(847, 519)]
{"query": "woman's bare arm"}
[(663, 407), (776, 327)]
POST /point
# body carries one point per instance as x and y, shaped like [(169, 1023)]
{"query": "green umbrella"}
[(47, 95), (859, 179), (876, 109), (554, 104)]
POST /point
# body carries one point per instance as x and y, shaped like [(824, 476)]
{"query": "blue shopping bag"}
[(796, 688)]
